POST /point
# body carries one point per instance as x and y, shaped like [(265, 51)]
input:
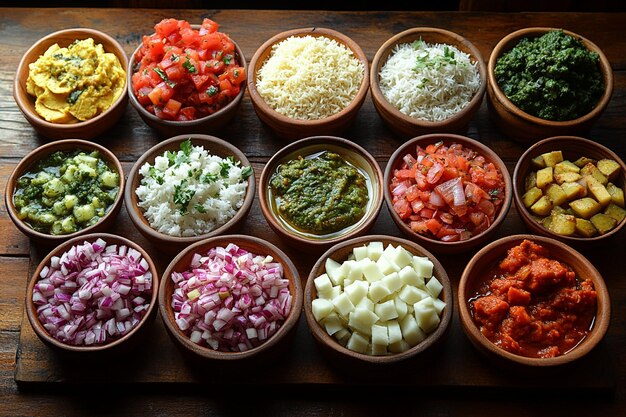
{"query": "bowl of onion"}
[(230, 297), (93, 293)]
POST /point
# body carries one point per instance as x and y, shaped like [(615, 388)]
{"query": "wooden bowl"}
[(43, 151), (493, 253), (252, 244), (435, 245), (404, 125), (214, 146), (348, 150), (527, 128), (572, 147), (287, 127), (340, 253), (118, 346), (207, 124), (87, 129)]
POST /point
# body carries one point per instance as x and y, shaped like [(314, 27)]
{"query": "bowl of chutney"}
[(321, 190)]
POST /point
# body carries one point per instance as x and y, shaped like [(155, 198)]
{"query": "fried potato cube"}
[(585, 207), (603, 223), (556, 194), (583, 160), (591, 169), (530, 181), (563, 224), (552, 158), (544, 177), (567, 177), (543, 206), (617, 194), (573, 190), (599, 192), (565, 166), (615, 211), (531, 196), (609, 168), (585, 228)]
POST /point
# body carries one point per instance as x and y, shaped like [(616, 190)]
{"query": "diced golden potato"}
[(591, 169), (609, 168), (538, 162), (563, 224), (567, 177), (599, 192), (585, 207), (544, 177), (617, 194), (583, 160), (542, 207), (546, 222), (573, 190), (585, 228), (530, 181), (552, 158), (556, 194), (557, 210), (531, 196), (615, 211), (565, 166), (603, 223)]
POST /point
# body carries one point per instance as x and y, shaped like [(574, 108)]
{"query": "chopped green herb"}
[(183, 195), (418, 44), (186, 146), (74, 95), (189, 66), (227, 59), (246, 172), (174, 58), (199, 208), (161, 74), (171, 157), (225, 169)]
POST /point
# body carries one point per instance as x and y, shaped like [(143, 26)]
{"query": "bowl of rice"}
[(308, 82), (188, 188), (427, 80)]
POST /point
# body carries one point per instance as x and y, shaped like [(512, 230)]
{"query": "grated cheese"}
[(309, 77), (430, 82)]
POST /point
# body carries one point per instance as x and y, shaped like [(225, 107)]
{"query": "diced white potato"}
[(401, 307), (357, 343), (380, 335), (439, 305), (366, 303), (386, 265), (343, 305), (394, 331), (423, 266), (333, 270), (402, 257), (410, 277), (411, 295), (411, 332), (343, 336), (323, 284), (360, 252), (374, 250), (434, 287), (399, 347), (378, 350), (362, 320), (354, 271), (346, 282), (371, 271), (356, 291), (378, 291), (335, 291), (393, 282), (386, 311), (333, 324), (321, 308), (425, 315)]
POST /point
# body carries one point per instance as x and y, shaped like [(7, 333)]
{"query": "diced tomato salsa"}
[(185, 74), (447, 192)]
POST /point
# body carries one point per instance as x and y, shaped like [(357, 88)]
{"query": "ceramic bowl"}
[(214, 146), (36, 155), (87, 129), (207, 124), (119, 345), (311, 146), (404, 125), (572, 148), (290, 128), (527, 128), (432, 244), (490, 256), (339, 253), (251, 244)]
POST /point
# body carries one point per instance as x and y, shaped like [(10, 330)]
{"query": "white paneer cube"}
[(343, 305), (371, 270), (356, 291), (410, 277), (401, 307), (399, 347), (411, 332), (362, 320), (378, 350), (425, 315), (380, 335), (374, 250), (333, 324), (334, 292), (403, 257), (378, 291), (354, 270), (333, 271), (385, 265), (360, 253), (321, 308), (393, 282), (323, 284), (357, 343), (394, 331), (342, 336), (386, 311), (439, 305), (411, 295), (434, 287), (423, 266), (366, 303)]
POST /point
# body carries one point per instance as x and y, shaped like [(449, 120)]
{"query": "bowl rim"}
[(378, 95), (599, 328), (36, 155), (357, 51), (208, 353), (136, 214), (510, 40), (485, 151), (416, 249), (34, 117), (31, 311), (232, 105), (518, 177), (349, 146)]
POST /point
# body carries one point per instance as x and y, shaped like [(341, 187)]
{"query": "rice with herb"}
[(190, 192)]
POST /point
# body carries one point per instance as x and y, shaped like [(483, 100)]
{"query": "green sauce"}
[(66, 192), (319, 195), (553, 77)]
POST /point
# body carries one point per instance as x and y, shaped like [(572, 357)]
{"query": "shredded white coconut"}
[(309, 77), (430, 82)]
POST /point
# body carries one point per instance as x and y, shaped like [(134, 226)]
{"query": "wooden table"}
[(469, 385)]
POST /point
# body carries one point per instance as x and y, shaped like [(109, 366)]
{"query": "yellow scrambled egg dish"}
[(75, 83)]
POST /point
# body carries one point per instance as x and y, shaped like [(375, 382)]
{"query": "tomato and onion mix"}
[(184, 74), (447, 192)]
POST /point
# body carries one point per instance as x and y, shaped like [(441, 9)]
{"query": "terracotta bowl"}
[(289, 128), (44, 151), (252, 244), (404, 125), (340, 253), (573, 148), (354, 155), (117, 346), (214, 146), (435, 245), (87, 129), (208, 124), (524, 127), (493, 253)]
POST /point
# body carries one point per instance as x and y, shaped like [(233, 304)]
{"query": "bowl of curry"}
[(321, 190), (533, 301)]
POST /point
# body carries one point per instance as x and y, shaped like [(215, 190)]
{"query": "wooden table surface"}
[(19, 28)]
